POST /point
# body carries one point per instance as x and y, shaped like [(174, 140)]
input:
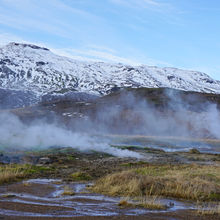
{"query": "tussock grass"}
[(14, 172), (194, 182), (124, 203), (26, 184), (148, 203), (151, 203), (59, 182), (68, 191), (11, 173), (80, 176)]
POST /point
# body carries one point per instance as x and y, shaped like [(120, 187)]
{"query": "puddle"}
[(25, 202)]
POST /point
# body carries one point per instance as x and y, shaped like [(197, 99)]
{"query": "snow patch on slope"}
[(30, 67)]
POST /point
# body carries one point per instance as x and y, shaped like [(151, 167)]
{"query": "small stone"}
[(194, 151), (44, 160)]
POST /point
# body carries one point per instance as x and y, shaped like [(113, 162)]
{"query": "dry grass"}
[(124, 203), (8, 196), (26, 184), (151, 203), (209, 210), (80, 176), (59, 182), (11, 173), (194, 182), (14, 172), (68, 191), (147, 203)]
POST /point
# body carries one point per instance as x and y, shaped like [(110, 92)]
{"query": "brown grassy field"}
[(193, 182)]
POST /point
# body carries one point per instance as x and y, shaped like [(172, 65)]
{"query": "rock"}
[(171, 204), (44, 160), (194, 151), (17, 98), (4, 158)]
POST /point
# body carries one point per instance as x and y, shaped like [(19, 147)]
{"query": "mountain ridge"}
[(35, 68)]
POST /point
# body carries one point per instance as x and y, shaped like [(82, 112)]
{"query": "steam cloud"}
[(127, 115), (40, 135), (181, 118)]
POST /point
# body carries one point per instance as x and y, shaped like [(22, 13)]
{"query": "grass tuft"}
[(151, 203), (14, 172), (68, 191), (146, 203), (80, 176), (194, 151), (11, 173), (124, 203)]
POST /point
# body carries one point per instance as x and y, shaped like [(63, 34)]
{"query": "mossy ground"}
[(80, 176)]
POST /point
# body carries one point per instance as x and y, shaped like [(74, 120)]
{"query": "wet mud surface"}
[(43, 198)]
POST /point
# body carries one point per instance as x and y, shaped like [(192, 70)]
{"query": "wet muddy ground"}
[(44, 199)]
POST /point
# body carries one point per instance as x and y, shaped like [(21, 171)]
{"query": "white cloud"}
[(139, 3), (43, 7), (100, 53), (101, 48), (40, 15)]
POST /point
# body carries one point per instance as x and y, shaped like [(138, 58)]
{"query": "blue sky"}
[(177, 33)]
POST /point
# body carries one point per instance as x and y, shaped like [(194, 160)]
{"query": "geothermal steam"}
[(40, 135), (127, 115)]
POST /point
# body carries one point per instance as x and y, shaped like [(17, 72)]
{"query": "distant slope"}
[(142, 111), (29, 67)]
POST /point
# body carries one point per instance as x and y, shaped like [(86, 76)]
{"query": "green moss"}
[(128, 147), (51, 151), (71, 158), (194, 151), (152, 150), (152, 171), (80, 176), (100, 154), (214, 196), (38, 169), (134, 164)]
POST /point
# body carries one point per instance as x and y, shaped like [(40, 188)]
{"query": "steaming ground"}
[(17, 135), (166, 114), (147, 112)]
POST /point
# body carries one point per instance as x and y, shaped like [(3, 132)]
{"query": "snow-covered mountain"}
[(30, 67)]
